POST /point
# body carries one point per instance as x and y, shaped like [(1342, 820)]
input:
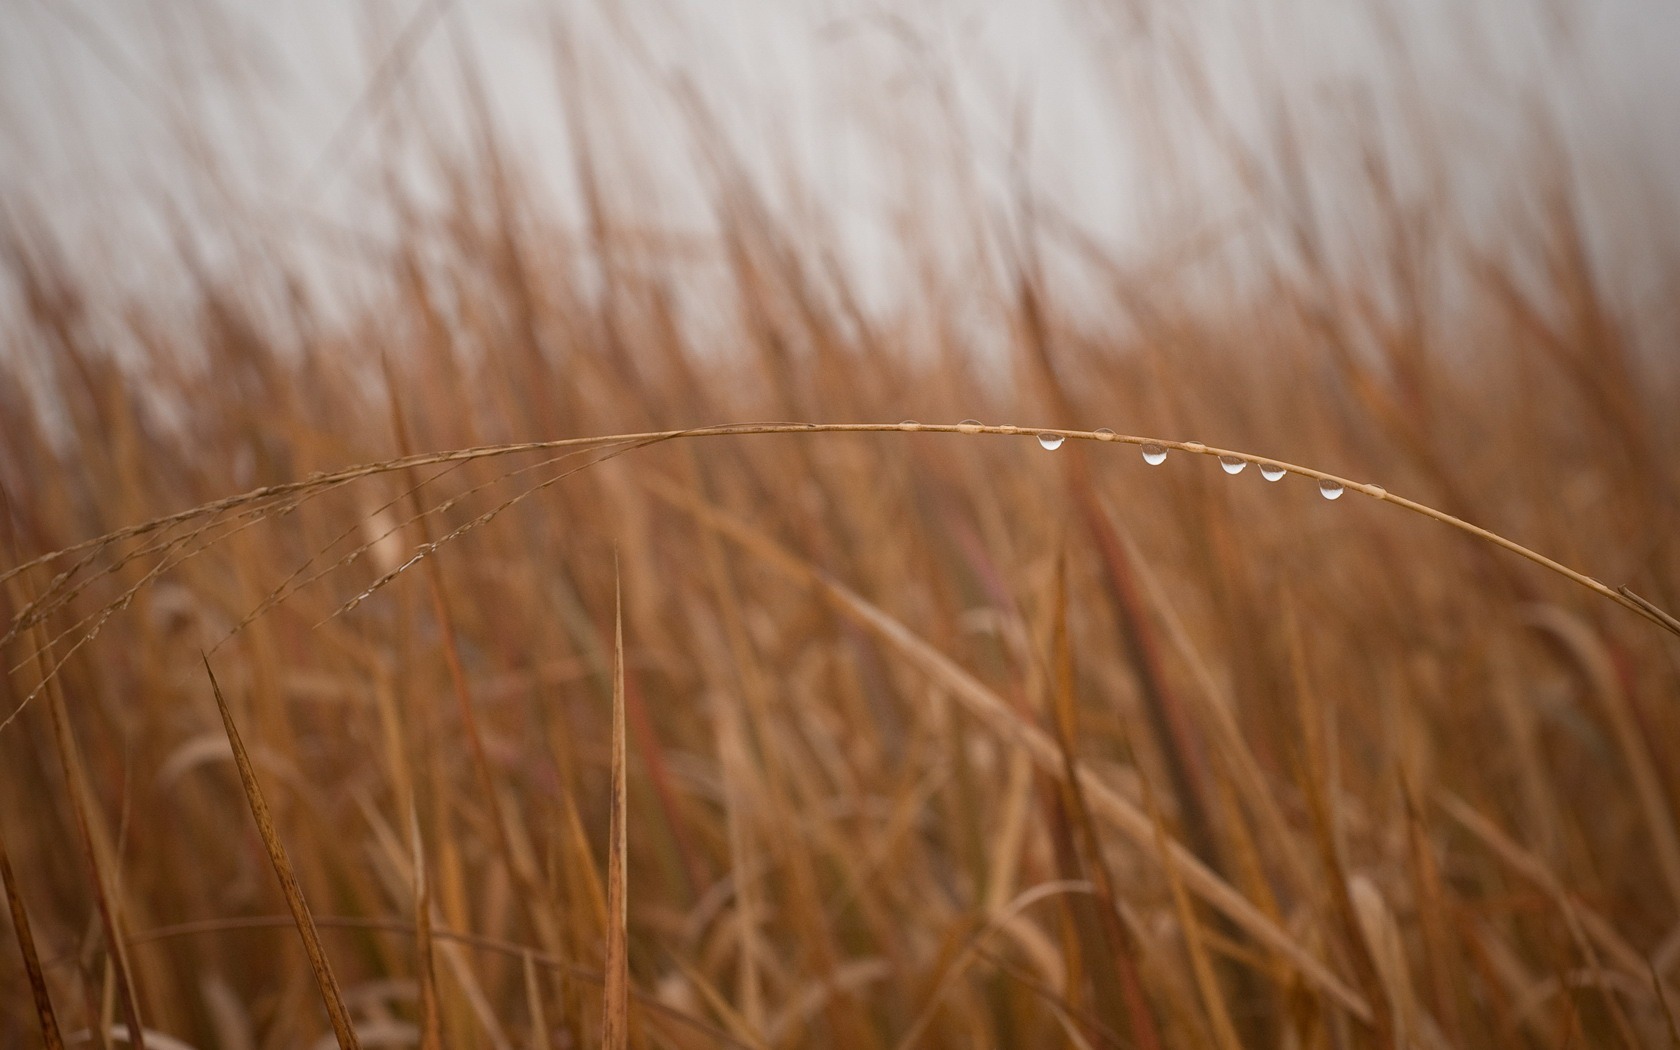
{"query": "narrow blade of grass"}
[(324, 979), (1201, 967), (1123, 1005), (541, 1038), (96, 850), (430, 1015), (50, 1037), (615, 997), (1319, 784)]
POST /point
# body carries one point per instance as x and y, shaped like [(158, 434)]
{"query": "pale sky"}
[(104, 102)]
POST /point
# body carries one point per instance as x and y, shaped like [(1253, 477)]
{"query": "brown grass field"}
[(877, 736)]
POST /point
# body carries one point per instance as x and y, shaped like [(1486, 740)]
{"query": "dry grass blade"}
[(615, 997), (540, 1035), (425, 956), (1667, 1009), (1026, 899), (99, 856), (1318, 777), (1587, 929), (443, 613), (1650, 609), (343, 1029), (1586, 926), (1382, 939), (1119, 998), (1444, 965), (1201, 968), (50, 1037), (1587, 648)]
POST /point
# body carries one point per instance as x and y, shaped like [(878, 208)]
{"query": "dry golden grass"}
[(838, 732)]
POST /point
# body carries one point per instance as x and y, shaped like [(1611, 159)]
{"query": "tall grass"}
[(926, 735)]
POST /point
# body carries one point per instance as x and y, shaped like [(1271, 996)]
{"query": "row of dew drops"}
[(1155, 455)]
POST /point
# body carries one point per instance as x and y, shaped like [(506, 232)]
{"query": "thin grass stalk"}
[(530, 897), (97, 854), (1320, 785), (1624, 596), (431, 1024), (615, 997), (1442, 962), (1122, 956), (343, 1029), (1201, 967), (1176, 737), (38, 994)]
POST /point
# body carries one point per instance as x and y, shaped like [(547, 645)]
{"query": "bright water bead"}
[(1050, 442), (1154, 454), (1232, 464), (1330, 489)]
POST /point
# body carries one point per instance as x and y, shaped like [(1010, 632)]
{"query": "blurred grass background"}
[(1439, 778)]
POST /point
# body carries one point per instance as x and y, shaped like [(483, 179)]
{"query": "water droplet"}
[(1195, 446), (1232, 464), (1105, 434), (1050, 441), (1272, 472), (1330, 489), (1154, 454), (1376, 490), (909, 424), (969, 426)]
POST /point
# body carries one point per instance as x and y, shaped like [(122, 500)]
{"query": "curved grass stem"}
[(1622, 596)]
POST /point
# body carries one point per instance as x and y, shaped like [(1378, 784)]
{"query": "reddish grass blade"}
[(50, 1037), (1201, 967), (1318, 782), (430, 1022), (324, 979), (75, 777), (1123, 1005), (615, 998)]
